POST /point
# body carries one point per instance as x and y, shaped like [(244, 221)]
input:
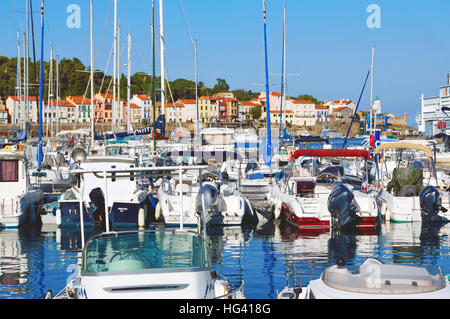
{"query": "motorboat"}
[(373, 280), (104, 183), (148, 264), (410, 191), (183, 198), (322, 195), (19, 201)]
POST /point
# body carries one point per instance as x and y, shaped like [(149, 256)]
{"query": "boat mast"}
[(269, 137), (27, 106), (283, 77), (196, 87), (162, 57), (129, 83), (119, 112), (92, 77), (18, 82), (41, 89), (372, 121), (50, 94), (58, 98), (114, 115), (153, 76)]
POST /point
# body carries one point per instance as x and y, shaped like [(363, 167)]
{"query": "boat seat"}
[(408, 191)]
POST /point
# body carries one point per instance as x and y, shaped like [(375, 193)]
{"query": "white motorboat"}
[(18, 200), (323, 196), (148, 264), (110, 183), (373, 280), (402, 198), (182, 199)]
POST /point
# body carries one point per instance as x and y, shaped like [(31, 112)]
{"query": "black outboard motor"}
[(430, 203), (97, 207), (343, 208)]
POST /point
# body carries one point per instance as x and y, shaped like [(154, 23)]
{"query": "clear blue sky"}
[(328, 43)]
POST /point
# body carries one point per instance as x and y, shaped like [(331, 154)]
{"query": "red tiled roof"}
[(79, 99), (187, 101), (143, 97), (303, 102), (22, 98), (321, 107), (341, 108)]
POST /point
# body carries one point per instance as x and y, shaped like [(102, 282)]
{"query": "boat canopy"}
[(402, 145), (374, 277), (331, 153)]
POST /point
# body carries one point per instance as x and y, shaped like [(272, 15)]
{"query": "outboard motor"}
[(343, 207), (210, 196), (430, 202), (97, 207)]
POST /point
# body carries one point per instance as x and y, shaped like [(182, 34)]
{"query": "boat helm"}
[(343, 207)]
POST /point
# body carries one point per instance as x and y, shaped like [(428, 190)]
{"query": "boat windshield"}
[(156, 250)]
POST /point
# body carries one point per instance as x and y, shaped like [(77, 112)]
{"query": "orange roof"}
[(143, 97), (22, 98), (61, 103), (303, 102), (79, 99), (247, 103), (134, 106), (187, 101), (341, 108), (277, 112), (321, 107)]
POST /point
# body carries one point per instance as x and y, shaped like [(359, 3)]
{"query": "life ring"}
[(7, 148)]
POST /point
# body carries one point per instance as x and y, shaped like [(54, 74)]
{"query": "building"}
[(145, 104), (322, 114), (304, 112), (59, 112), (174, 112), (82, 108), (189, 113), (17, 109), (332, 105), (244, 108), (433, 112), (342, 114), (232, 108), (208, 108)]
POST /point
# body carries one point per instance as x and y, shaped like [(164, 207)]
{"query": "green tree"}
[(221, 86), (255, 112)]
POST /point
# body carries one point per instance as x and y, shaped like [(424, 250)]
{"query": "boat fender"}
[(141, 217), (388, 213), (158, 211), (7, 148), (58, 217), (277, 211)]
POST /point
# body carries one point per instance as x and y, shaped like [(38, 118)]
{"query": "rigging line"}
[(186, 24), (103, 32), (106, 69)]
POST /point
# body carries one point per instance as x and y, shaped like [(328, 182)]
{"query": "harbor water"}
[(266, 258)]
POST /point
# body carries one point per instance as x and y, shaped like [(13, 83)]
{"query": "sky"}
[(329, 43)]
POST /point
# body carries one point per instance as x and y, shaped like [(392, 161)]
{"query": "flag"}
[(365, 184)]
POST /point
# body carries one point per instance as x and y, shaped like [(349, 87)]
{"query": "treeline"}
[(74, 79)]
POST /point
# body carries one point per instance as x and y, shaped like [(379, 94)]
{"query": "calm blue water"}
[(31, 262)]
